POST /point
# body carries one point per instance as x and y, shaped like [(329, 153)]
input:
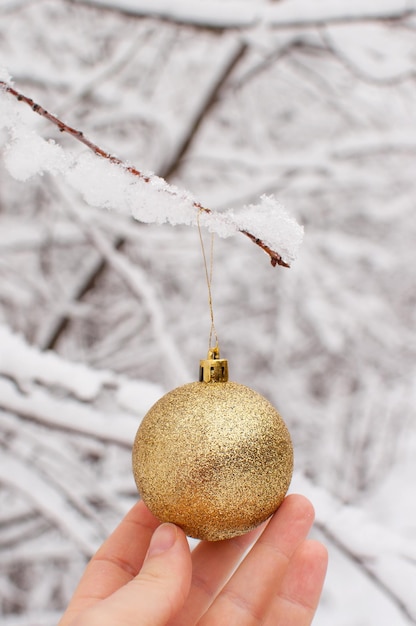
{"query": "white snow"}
[(5, 76), (28, 154)]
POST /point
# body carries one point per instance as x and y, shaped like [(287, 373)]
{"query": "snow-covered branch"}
[(108, 182), (51, 500), (28, 372), (387, 559), (242, 15)]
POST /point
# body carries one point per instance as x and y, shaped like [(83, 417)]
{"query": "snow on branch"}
[(107, 182), (38, 406), (50, 500), (385, 557), (240, 14), (32, 371)]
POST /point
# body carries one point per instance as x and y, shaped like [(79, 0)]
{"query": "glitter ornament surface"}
[(214, 458)]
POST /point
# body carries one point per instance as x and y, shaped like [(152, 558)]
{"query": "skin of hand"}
[(145, 575)]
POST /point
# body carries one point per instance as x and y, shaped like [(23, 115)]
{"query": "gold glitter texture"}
[(214, 458)]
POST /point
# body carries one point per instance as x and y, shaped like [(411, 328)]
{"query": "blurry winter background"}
[(314, 102)]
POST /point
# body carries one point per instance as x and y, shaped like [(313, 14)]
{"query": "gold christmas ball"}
[(215, 458)]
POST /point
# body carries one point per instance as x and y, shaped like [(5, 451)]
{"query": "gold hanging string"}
[(208, 276)]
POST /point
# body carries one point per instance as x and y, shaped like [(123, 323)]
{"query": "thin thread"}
[(208, 276)]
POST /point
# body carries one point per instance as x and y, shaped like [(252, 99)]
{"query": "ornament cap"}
[(213, 369)]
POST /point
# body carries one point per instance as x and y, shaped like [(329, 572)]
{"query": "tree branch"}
[(206, 105), (38, 407), (275, 257), (368, 571), (51, 332), (142, 290), (220, 16)]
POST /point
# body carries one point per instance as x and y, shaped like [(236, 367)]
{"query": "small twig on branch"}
[(275, 257)]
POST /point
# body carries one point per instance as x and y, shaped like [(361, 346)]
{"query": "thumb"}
[(160, 589), (165, 578)]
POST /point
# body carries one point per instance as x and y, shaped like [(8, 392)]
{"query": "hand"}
[(145, 575)]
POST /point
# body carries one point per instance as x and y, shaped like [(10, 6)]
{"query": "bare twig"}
[(275, 257)]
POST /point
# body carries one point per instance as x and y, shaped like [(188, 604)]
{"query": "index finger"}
[(116, 562)]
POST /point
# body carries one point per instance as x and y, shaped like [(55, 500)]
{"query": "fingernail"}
[(163, 538)]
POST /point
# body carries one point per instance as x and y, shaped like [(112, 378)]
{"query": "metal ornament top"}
[(213, 369)]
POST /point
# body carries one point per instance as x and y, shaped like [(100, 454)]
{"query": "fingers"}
[(116, 562), (277, 584), (247, 597), (157, 593), (298, 597), (213, 562)]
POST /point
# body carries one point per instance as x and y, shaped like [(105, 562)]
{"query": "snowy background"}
[(312, 102)]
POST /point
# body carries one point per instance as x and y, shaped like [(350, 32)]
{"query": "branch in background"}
[(51, 330), (228, 222), (55, 466), (210, 99), (365, 565), (385, 557), (50, 500), (236, 14), (142, 290), (69, 416)]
